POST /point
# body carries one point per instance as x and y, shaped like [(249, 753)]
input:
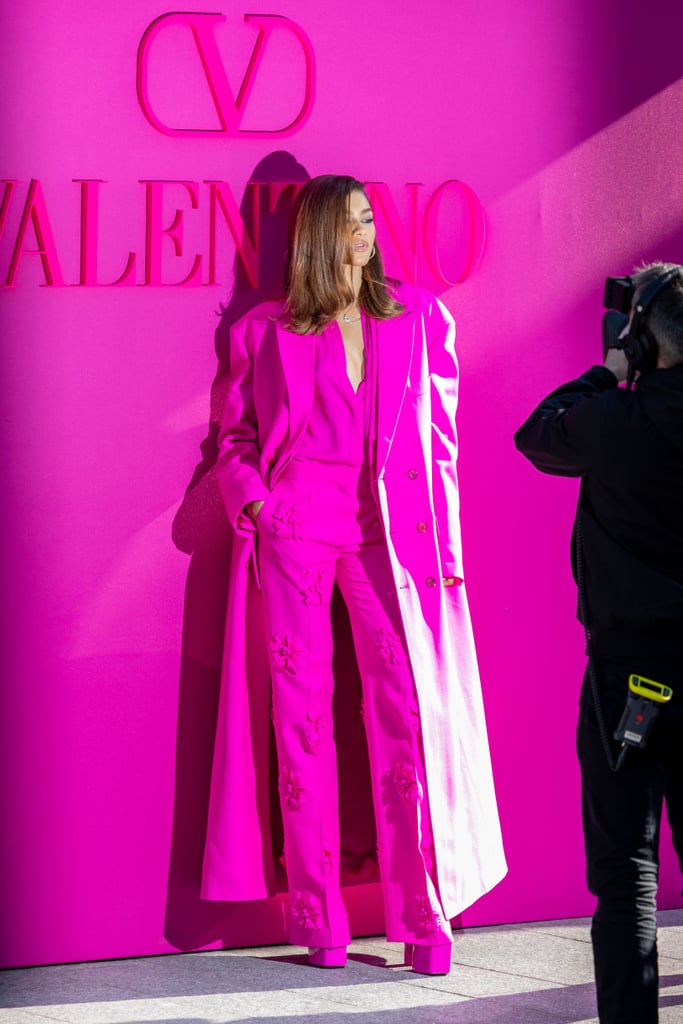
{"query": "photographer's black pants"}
[(621, 815)]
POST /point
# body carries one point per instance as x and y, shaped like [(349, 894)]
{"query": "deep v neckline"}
[(355, 390)]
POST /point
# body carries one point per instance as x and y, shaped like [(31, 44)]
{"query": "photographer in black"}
[(626, 444)]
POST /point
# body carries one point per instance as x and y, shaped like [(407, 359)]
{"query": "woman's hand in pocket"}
[(252, 509)]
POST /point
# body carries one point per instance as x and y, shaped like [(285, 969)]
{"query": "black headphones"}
[(639, 345)]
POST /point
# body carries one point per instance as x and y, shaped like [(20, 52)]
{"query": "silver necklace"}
[(347, 319)]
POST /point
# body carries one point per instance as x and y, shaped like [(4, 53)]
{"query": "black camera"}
[(619, 293), (618, 298), (638, 343)]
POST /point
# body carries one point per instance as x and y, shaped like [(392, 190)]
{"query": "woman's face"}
[(361, 230)]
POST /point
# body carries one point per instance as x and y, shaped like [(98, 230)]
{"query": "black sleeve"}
[(563, 434)]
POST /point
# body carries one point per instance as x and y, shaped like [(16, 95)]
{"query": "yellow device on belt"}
[(643, 687), (643, 702)]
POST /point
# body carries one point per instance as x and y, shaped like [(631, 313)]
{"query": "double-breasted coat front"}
[(269, 399)]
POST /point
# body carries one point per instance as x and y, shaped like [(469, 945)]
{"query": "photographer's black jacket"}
[(628, 448)]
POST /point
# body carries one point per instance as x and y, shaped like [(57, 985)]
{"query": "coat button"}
[(412, 474), (421, 527), (430, 581)]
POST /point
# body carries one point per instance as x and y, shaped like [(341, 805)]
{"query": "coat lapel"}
[(297, 355)]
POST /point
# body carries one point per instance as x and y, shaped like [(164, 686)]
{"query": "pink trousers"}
[(319, 526)]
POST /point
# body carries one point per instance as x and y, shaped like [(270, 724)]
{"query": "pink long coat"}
[(268, 403)]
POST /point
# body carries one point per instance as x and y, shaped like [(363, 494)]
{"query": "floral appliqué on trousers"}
[(390, 647), (405, 780), (311, 587), (287, 520), (428, 920), (314, 730), (285, 648), (306, 911), (292, 789)]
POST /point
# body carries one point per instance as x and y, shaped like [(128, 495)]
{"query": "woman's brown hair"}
[(315, 282)]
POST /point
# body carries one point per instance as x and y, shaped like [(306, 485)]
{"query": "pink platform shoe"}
[(335, 957), (429, 959)]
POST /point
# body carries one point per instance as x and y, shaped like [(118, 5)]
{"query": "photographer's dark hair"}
[(664, 317)]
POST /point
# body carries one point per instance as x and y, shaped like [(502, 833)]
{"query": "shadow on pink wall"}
[(200, 529)]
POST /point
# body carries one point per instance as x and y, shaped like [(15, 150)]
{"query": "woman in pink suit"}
[(337, 465)]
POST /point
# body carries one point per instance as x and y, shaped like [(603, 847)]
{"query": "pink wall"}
[(113, 585)]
